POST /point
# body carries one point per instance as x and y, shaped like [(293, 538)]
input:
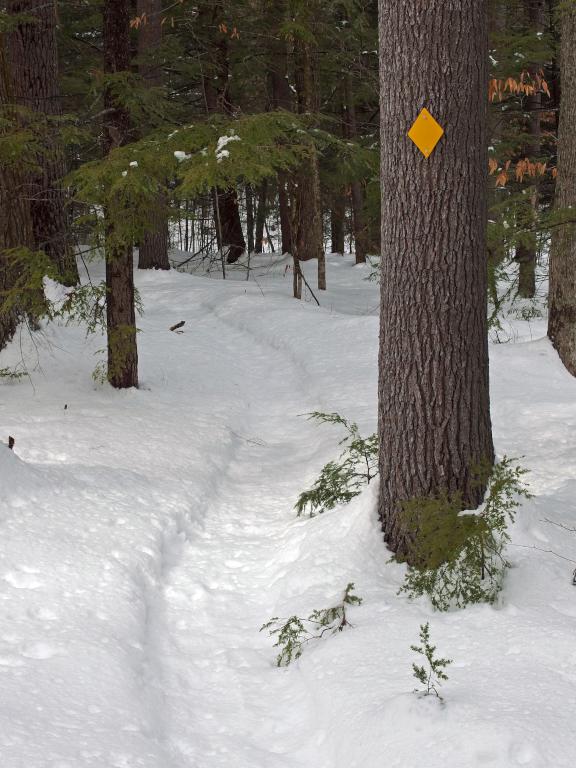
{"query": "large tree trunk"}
[(33, 58), (562, 297), (434, 418), (153, 250), (120, 312), (15, 219)]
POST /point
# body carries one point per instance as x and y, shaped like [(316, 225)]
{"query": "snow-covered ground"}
[(145, 536)]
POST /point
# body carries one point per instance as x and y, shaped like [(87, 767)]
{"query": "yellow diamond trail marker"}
[(426, 133)]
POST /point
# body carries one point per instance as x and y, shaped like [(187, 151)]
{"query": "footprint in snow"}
[(43, 614), (523, 753), (39, 651), (23, 579)]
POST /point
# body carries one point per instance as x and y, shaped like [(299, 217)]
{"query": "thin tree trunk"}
[(526, 252), (434, 418), (216, 89), (498, 19), (153, 249), (260, 216), (250, 218), (33, 58), (357, 189), (285, 216), (269, 237), (281, 98), (337, 217), (307, 228), (120, 311), (562, 296)]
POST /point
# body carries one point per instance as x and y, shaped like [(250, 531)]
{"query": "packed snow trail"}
[(227, 576), (146, 536)]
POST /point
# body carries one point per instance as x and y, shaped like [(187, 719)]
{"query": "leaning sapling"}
[(293, 633), (341, 480)]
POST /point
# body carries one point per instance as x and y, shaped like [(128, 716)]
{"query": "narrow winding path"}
[(223, 575)]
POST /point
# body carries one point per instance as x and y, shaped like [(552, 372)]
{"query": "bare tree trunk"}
[(357, 189), (337, 217), (216, 88), (526, 251), (33, 55), (281, 99), (260, 216), (285, 216), (232, 243), (153, 248), (307, 229), (434, 417), (562, 296), (120, 311), (250, 217), (308, 238)]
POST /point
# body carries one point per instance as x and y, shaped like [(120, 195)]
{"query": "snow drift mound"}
[(16, 477)]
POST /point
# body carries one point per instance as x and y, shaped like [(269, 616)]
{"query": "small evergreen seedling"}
[(432, 671), (12, 374), (291, 634)]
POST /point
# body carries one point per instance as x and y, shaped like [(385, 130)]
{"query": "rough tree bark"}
[(33, 56), (120, 311), (15, 216), (153, 250), (562, 295), (434, 417)]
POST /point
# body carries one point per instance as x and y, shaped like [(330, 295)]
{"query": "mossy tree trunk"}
[(434, 417)]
